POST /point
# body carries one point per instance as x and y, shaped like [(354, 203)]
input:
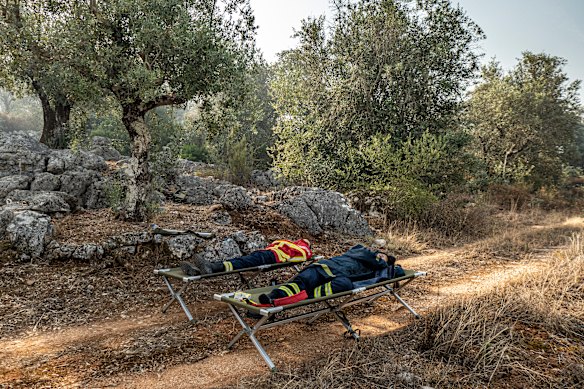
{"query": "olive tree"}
[(148, 54), (384, 80), (526, 122)]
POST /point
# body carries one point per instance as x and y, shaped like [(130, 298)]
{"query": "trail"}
[(197, 352)]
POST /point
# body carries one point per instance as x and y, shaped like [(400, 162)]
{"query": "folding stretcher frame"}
[(178, 275), (351, 297)]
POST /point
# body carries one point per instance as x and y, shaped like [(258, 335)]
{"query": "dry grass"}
[(527, 333), (404, 238), (520, 332)]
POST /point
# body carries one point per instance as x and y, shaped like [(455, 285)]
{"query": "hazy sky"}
[(555, 27)]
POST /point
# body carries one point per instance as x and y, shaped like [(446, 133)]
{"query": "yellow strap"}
[(228, 266), (282, 256), (286, 290), (326, 269)]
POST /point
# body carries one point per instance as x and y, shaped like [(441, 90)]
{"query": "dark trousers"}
[(311, 278), (260, 257)]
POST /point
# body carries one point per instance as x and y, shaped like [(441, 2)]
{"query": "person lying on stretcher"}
[(325, 277), (278, 251), (335, 275)]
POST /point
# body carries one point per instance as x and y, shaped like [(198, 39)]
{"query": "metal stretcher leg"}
[(347, 324), (394, 293), (251, 334), (176, 296)]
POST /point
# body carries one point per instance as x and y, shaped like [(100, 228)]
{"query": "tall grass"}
[(505, 332), (527, 333)]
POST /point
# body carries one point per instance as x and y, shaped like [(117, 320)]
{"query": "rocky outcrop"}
[(206, 191), (10, 183), (61, 161), (44, 201), (29, 232), (26, 164), (265, 180), (318, 210), (21, 155), (103, 147)]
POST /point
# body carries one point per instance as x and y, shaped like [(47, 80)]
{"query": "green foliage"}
[(372, 102), (242, 111), (115, 193), (525, 123), (145, 54), (239, 161)]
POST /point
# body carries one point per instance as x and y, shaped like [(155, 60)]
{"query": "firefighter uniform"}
[(278, 251), (329, 276)]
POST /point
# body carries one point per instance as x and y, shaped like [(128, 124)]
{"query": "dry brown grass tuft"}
[(460, 217), (522, 330), (404, 238), (517, 241)]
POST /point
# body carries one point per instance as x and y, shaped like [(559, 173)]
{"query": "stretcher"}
[(245, 275), (335, 303)]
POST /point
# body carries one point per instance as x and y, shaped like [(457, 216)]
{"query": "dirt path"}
[(154, 350)]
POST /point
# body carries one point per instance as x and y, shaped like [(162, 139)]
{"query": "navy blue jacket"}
[(359, 263)]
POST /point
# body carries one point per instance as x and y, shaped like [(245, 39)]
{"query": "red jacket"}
[(286, 250)]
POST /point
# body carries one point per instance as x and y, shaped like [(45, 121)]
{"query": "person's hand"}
[(382, 256)]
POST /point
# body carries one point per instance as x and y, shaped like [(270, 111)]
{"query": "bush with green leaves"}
[(373, 101)]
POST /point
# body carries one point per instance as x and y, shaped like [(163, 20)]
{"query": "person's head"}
[(390, 259)]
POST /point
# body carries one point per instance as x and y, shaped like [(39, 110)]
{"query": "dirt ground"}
[(73, 324)]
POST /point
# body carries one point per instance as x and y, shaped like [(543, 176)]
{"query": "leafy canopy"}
[(366, 98)]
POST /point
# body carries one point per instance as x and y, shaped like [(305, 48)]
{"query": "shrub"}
[(458, 215), (509, 197)]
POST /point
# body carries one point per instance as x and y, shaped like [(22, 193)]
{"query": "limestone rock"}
[(318, 210), (184, 246), (103, 147), (59, 251), (236, 198), (44, 202), (61, 161), (29, 231), (88, 251), (6, 216), (227, 249), (251, 242), (221, 218), (96, 195), (131, 239), (264, 179), (10, 183), (194, 190), (301, 214), (21, 154), (76, 182), (45, 182)]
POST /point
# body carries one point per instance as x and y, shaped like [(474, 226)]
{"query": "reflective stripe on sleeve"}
[(294, 286)]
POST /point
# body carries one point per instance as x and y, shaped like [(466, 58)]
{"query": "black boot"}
[(265, 299), (217, 267), (204, 265), (189, 269)]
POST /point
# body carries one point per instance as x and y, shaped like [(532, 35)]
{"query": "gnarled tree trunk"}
[(56, 117), (139, 177)]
